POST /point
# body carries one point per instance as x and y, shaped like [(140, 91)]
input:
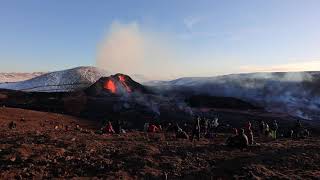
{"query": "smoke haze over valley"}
[(165, 89)]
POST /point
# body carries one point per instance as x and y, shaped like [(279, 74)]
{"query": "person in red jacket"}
[(153, 128), (109, 129)]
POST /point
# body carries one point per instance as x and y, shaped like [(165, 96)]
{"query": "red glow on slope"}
[(110, 86), (121, 78), (123, 82)]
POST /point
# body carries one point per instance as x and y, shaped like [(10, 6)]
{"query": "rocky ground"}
[(47, 145)]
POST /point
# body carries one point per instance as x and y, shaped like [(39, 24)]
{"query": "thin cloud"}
[(295, 66), (190, 22)]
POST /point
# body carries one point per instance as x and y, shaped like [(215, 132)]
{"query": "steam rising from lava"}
[(129, 50)]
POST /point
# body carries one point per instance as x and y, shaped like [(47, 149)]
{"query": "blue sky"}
[(201, 38)]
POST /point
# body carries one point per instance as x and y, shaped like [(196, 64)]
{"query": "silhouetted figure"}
[(12, 125), (180, 134), (196, 129), (267, 130), (231, 141), (291, 133), (145, 127), (205, 126), (297, 129), (108, 128), (186, 128), (177, 128), (249, 133), (241, 140), (238, 140), (170, 128), (262, 127), (305, 133), (117, 126), (153, 128), (274, 128), (215, 124)]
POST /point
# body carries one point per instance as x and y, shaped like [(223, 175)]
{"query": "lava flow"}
[(123, 82), (110, 85)]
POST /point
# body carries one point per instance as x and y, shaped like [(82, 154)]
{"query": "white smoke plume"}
[(130, 50)]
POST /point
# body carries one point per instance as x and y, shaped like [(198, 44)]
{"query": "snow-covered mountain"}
[(15, 77), (66, 80), (297, 93)]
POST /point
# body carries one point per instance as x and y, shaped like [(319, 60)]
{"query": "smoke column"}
[(128, 49)]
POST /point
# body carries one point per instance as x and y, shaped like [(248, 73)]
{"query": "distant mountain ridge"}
[(15, 77), (296, 93), (59, 81)]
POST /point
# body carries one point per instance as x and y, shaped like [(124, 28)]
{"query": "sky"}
[(160, 39)]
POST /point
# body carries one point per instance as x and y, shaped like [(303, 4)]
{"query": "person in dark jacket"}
[(117, 126), (297, 129), (273, 129), (241, 140), (262, 127), (231, 141), (196, 129)]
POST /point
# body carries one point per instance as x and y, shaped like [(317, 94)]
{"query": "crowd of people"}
[(208, 128), (246, 135)]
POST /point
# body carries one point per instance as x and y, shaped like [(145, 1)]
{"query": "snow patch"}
[(59, 81)]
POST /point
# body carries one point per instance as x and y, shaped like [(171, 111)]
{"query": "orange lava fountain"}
[(110, 85)]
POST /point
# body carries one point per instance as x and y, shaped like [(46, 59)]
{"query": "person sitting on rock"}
[(241, 140), (231, 140), (145, 127), (170, 128), (180, 134), (153, 128), (186, 127), (305, 133), (109, 128), (12, 125), (117, 126)]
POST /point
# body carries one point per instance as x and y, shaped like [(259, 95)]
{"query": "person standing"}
[(249, 133), (196, 129), (298, 129), (262, 128), (274, 128)]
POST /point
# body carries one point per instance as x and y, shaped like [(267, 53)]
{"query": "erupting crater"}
[(118, 84)]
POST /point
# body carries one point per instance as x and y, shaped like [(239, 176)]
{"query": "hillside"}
[(296, 93), (59, 81), (48, 145), (15, 77)]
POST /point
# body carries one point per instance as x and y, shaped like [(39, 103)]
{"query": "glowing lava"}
[(123, 82), (110, 85)]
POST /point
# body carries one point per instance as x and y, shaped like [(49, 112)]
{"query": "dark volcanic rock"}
[(219, 102)]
